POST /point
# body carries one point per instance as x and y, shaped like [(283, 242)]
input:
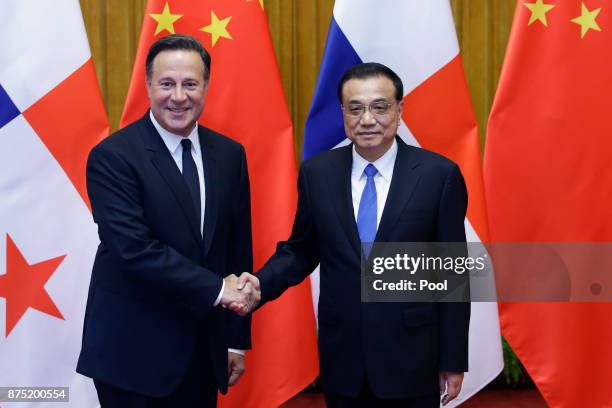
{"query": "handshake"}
[(241, 294)]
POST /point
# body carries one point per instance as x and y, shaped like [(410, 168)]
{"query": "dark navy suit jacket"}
[(400, 347), (154, 279)]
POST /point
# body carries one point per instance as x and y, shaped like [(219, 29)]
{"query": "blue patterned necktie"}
[(190, 173), (366, 216)]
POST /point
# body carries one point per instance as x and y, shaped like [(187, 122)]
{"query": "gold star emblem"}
[(586, 20), (217, 28), (165, 20), (260, 3), (538, 11)]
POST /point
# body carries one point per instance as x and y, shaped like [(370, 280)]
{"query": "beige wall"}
[(299, 29)]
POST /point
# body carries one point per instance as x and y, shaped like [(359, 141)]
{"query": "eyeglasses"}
[(378, 108)]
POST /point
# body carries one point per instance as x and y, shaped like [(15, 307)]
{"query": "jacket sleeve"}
[(241, 255), (297, 257), (454, 317)]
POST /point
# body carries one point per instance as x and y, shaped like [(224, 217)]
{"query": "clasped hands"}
[(241, 294)]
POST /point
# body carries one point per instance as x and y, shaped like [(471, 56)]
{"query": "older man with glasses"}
[(378, 189)]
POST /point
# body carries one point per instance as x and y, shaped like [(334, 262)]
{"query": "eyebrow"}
[(353, 101), (174, 80)]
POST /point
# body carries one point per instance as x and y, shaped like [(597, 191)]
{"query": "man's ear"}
[(400, 107)]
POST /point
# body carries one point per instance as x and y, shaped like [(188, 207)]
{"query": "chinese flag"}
[(548, 179), (245, 102)]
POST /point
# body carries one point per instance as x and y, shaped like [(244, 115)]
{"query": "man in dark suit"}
[(172, 203), (376, 189)]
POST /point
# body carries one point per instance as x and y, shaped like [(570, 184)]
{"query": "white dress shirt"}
[(382, 179), (173, 143)]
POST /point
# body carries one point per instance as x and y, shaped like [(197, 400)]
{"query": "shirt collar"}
[(384, 164), (172, 141)]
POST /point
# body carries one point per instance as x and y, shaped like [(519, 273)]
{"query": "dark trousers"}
[(197, 389), (367, 399)]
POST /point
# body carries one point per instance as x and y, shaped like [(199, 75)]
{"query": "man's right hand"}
[(450, 385), (240, 296)]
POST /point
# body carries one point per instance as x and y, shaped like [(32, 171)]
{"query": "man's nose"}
[(179, 94), (367, 118)]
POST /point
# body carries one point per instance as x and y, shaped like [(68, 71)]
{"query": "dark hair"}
[(177, 42), (369, 70)]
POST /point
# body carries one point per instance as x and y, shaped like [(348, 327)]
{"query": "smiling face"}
[(371, 133), (177, 89)]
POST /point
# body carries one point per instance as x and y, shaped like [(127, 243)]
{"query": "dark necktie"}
[(190, 173)]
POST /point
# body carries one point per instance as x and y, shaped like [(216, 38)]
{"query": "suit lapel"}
[(170, 173), (403, 184), (339, 184), (211, 182)]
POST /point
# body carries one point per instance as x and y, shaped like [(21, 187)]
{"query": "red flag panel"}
[(70, 120), (439, 114), (547, 179)]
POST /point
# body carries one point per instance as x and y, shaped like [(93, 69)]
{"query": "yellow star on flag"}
[(538, 11), (260, 3), (217, 28), (586, 20), (165, 20)]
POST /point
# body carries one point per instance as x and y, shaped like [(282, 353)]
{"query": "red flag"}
[(547, 178), (245, 102)]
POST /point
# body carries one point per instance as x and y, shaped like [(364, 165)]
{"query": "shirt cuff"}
[(220, 294), (231, 350)]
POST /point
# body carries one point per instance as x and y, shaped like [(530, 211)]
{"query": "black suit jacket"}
[(400, 347), (154, 279)]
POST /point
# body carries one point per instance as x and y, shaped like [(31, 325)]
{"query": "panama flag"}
[(417, 40), (51, 114)]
